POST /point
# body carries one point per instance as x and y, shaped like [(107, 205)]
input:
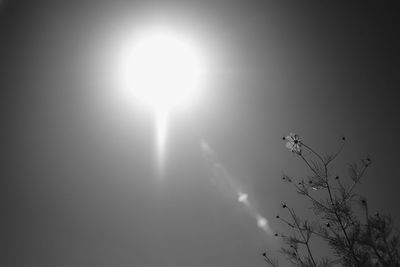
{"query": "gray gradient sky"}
[(79, 184)]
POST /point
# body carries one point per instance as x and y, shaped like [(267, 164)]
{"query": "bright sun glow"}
[(164, 71)]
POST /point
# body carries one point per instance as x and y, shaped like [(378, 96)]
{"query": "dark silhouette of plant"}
[(341, 216)]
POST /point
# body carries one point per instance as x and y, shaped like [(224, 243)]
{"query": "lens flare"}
[(223, 179), (261, 222), (242, 197)]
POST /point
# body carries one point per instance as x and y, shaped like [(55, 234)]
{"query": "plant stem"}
[(302, 235), (325, 178)]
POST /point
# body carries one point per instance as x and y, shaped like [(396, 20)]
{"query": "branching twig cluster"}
[(355, 240)]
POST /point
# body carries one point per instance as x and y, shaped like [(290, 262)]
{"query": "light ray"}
[(161, 136)]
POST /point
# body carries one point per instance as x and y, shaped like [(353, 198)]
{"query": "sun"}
[(164, 71)]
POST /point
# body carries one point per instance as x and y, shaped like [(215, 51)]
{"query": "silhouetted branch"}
[(364, 241)]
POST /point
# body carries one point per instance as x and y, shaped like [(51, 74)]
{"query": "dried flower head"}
[(294, 143)]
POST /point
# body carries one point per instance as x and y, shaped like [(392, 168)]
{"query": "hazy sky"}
[(79, 184)]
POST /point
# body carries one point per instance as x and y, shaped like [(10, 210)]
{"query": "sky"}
[(80, 184)]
